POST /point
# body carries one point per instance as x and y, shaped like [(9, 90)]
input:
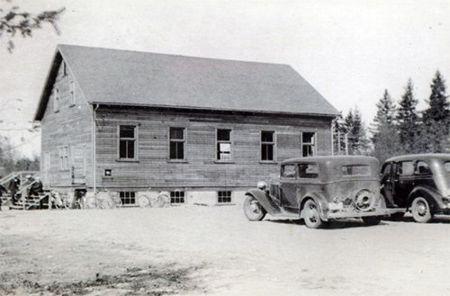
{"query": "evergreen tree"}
[(356, 133), (436, 117), (408, 120), (385, 136)]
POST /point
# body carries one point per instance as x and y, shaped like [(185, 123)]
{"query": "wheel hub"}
[(421, 209)]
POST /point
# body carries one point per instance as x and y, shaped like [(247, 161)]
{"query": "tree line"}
[(398, 127)]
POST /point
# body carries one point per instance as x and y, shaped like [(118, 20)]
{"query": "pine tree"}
[(385, 136), (436, 117), (408, 120), (356, 133)]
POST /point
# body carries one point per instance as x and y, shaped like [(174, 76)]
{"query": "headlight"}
[(261, 185)]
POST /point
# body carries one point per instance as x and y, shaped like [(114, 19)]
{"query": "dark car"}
[(419, 183), (318, 189)]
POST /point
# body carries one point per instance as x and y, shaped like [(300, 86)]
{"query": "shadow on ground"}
[(337, 224), (151, 280)]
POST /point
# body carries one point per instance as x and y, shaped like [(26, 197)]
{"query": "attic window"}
[(55, 96), (72, 93)]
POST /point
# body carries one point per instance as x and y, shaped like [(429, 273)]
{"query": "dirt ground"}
[(197, 250)]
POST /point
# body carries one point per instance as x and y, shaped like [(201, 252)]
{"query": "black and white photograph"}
[(223, 147)]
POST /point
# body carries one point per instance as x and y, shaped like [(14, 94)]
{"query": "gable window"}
[(127, 197), (308, 144), (177, 197), (64, 158), (267, 145), (72, 93), (224, 144), (55, 96), (176, 145), (223, 197), (127, 142)]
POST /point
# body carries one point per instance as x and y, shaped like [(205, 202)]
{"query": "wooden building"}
[(203, 129)]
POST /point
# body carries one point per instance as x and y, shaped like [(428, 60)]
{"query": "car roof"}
[(334, 158), (422, 156)]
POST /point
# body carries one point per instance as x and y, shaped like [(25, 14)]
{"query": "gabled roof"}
[(120, 77)]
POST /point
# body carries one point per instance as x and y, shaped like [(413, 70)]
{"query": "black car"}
[(420, 183)]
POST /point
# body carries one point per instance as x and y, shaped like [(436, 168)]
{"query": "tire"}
[(253, 209), (311, 215), (371, 220), (421, 210)]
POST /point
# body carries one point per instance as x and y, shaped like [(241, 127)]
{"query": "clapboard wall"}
[(200, 170)]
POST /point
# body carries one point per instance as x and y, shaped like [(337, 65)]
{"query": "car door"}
[(403, 182), (288, 185), (387, 182)]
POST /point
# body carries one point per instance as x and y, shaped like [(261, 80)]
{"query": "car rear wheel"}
[(311, 215), (421, 210), (371, 220), (253, 209)]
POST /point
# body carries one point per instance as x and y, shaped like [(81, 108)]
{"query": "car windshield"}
[(355, 170)]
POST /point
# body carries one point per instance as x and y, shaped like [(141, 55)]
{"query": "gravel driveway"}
[(197, 250)]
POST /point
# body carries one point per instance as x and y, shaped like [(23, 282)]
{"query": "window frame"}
[(313, 144), (399, 165), (273, 143), (55, 96), (128, 198), (180, 192), (282, 169), (230, 141), (416, 168), (64, 157), (310, 176), (220, 199), (184, 141), (73, 101), (135, 139)]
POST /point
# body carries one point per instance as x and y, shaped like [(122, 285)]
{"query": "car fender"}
[(433, 197), (320, 201), (265, 200)]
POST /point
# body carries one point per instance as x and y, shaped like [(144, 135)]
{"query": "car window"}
[(355, 170), (422, 168), (288, 171), (308, 170), (405, 168), (447, 166), (386, 169)]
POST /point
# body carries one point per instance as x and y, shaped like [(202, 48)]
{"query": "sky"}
[(349, 50)]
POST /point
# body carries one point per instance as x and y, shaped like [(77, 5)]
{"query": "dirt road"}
[(215, 251)]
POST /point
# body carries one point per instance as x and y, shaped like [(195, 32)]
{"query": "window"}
[(55, 96), (176, 146), (224, 144), (64, 158), (72, 93), (127, 197), (423, 168), (288, 171), (127, 142), (308, 170), (176, 197), (447, 166), (64, 66), (308, 144), (355, 170), (387, 170), (405, 168), (224, 196), (267, 145)]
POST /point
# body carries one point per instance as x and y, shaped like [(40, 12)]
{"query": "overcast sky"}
[(350, 51)]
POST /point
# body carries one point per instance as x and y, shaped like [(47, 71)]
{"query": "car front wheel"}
[(311, 215), (253, 209), (421, 210)]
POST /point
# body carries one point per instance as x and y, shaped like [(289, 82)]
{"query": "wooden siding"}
[(70, 126), (200, 170)]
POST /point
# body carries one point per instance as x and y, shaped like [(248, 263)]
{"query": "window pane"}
[(177, 133), (308, 170), (308, 138), (406, 168), (356, 170), (130, 153), (423, 168), (288, 171), (176, 150), (123, 149), (267, 152), (307, 150), (173, 150), (266, 136), (127, 131), (223, 135)]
